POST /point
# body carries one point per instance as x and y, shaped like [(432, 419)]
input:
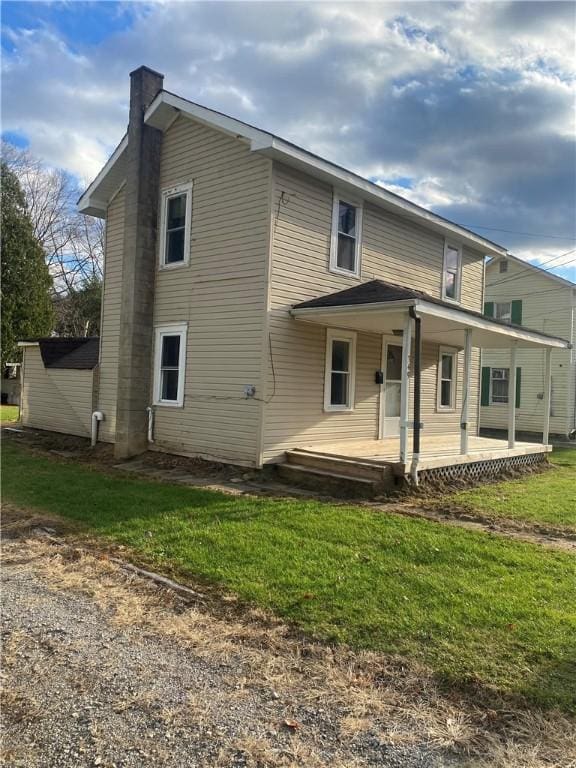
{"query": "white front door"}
[(392, 359)]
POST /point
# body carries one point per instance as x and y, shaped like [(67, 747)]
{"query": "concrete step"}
[(355, 468)]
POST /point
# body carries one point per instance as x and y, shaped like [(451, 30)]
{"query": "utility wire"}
[(515, 232)]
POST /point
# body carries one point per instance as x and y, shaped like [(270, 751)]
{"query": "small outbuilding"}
[(59, 383)]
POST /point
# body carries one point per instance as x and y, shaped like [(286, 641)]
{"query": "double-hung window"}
[(175, 224), (170, 363), (503, 311), (452, 274), (446, 399), (340, 371), (346, 232), (499, 385)]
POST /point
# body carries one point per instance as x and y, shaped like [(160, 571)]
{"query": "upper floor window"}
[(452, 275), (503, 266), (346, 231), (447, 380), (503, 311), (175, 225), (340, 371), (170, 362)]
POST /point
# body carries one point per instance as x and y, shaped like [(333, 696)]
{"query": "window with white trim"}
[(503, 311), (346, 232), (452, 273), (503, 266), (340, 370), (499, 385), (169, 364), (447, 365), (175, 224)]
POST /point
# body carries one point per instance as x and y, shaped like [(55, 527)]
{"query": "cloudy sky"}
[(465, 108)]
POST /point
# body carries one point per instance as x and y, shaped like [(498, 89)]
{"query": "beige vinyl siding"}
[(55, 399), (220, 294), (110, 330), (393, 250), (546, 306)]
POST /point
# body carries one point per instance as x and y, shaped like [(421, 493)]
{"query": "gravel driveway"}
[(103, 668)]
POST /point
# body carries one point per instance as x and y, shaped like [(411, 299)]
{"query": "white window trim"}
[(456, 299), (165, 196), (499, 304), (499, 403), (454, 354), (337, 335), (180, 329), (334, 237)]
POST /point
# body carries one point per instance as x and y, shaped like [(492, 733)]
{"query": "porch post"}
[(512, 399), (417, 391), (547, 395), (405, 388), (465, 391)]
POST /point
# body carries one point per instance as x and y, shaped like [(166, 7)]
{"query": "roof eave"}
[(349, 181), (94, 201), (516, 334), (166, 107)]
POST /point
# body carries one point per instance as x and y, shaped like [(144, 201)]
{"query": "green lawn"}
[(9, 413), (548, 498), (474, 606)]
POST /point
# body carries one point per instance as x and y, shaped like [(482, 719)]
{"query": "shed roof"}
[(378, 296), (79, 353)]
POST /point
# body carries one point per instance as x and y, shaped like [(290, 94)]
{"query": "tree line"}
[(52, 256)]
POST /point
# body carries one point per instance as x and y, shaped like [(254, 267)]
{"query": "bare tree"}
[(73, 243)]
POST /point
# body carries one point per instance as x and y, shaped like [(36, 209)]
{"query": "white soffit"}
[(96, 198), (440, 325)]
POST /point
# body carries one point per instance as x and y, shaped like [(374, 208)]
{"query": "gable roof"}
[(78, 353), (529, 267), (166, 107)]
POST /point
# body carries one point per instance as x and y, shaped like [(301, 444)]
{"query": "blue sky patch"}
[(78, 22), (17, 139)]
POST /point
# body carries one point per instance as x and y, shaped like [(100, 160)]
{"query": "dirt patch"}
[(104, 667), (553, 538)]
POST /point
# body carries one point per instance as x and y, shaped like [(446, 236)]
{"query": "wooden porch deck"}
[(436, 451)]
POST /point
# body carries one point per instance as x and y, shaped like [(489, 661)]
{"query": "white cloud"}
[(472, 101)]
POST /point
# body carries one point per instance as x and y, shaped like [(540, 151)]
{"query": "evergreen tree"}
[(26, 282)]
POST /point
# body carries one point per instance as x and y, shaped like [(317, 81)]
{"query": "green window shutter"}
[(489, 308), (517, 312), (485, 396), (518, 386)]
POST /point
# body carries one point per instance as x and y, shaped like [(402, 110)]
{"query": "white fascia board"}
[(166, 105), (335, 175), (517, 335), (89, 202), (388, 306), (162, 111), (463, 319)]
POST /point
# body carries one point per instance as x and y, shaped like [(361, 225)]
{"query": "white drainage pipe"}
[(150, 412), (97, 416)]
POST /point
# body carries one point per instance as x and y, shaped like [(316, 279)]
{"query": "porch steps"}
[(339, 476)]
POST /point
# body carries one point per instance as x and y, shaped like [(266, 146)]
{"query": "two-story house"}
[(261, 303), (524, 294)]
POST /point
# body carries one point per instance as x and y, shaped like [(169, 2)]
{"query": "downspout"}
[(417, 395), (97, 416), (150, 412)]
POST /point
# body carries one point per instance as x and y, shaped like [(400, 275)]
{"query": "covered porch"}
[(407, 319)]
